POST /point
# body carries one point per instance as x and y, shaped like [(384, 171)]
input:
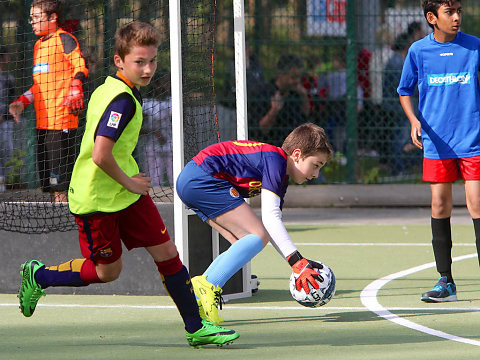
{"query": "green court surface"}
[(379, 273)]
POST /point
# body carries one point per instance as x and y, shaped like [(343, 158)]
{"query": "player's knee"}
[(263, 235), (473, 206), (163, 252), (109, 276), (170, 250), (441, 208), (109, 272)]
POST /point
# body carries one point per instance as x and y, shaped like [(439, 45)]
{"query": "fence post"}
[(109, 31), (352, 82), (28, 38)]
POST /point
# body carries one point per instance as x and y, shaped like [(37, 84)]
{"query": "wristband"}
[(292, 259), (23, 99), (77, 83)]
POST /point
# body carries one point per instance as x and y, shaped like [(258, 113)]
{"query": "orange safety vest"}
[(54, 68)]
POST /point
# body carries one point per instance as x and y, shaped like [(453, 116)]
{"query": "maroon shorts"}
[(139, 225), (450, 170)]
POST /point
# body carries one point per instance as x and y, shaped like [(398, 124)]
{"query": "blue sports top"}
[(449, 98), (248, 165)]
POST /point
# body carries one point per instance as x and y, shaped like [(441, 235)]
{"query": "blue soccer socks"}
[(232, 260)]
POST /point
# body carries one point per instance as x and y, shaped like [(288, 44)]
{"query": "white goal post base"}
[(204, 245)]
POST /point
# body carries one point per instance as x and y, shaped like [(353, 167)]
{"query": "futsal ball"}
[(316, 297)]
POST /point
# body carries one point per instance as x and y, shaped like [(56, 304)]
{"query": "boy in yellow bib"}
[(109, 196)]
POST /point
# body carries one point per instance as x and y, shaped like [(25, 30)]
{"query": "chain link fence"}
[(25, 205), (336, 63), (343, 77)]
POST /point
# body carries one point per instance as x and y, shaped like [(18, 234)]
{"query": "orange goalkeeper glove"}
[(74, 98), (304, 271)]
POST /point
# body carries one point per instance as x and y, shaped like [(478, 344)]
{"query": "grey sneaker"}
[(443, 291)]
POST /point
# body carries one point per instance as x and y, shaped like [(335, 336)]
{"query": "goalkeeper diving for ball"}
[(216, 180)]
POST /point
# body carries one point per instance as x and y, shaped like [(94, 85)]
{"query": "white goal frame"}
[(181, 213)]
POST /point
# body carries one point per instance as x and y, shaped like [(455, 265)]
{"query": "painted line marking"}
[(369, 299), (376, 244), (246, 307)]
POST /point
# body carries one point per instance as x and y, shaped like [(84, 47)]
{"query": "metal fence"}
[(346, 56)]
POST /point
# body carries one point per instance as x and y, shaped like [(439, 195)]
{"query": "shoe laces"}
[(211, 325), (218, 299), (440, 286)]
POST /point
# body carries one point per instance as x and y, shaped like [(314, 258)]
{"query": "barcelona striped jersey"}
[(248, 165)]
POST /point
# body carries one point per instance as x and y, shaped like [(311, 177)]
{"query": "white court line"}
[(168, 307), (375, 244), (246, 307), (369, 300)]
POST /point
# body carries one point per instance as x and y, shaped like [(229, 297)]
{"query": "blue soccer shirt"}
[(248, 165), (449, 98)]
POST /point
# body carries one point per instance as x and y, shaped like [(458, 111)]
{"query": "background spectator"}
[(380, 56), (282, 104), (7, 92), (59, 72), (155, 144), (334, 83), (394, 131)]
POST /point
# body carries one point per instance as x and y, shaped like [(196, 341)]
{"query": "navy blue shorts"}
[(208, 196)]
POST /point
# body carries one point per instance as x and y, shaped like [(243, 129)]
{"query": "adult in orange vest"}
[(59, 71)]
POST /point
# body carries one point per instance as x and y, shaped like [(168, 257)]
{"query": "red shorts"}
[(139, 225), (450, 170)]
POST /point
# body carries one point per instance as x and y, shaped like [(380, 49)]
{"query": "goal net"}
[(28, 204)]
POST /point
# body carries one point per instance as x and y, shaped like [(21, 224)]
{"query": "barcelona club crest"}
[(234, 192), (106, 253)]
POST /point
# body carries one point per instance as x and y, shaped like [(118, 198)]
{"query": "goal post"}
[(179, 212), (198, 244), (240, 69)]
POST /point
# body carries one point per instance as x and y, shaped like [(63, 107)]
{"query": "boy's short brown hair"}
[(136, 33), (310, 139), (50, 7), (433, 6)]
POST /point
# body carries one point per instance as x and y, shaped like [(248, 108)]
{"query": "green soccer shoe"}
[(30, 292), (211, 334)]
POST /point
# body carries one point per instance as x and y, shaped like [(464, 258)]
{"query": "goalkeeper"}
[(59, 72), (214, 184)]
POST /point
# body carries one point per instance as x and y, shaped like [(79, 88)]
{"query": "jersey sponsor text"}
[(449, 79), (41, 68)]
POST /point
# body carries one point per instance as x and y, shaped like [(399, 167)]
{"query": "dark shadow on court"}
[(296, 228)]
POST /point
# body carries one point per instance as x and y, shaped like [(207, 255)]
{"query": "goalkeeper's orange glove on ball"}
[(304, 270), (74, 99)]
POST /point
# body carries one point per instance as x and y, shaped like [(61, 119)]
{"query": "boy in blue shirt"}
[(214, 184), (109, 196), (445, 66)]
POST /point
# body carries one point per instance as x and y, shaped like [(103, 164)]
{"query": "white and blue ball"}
[(316, 297)]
